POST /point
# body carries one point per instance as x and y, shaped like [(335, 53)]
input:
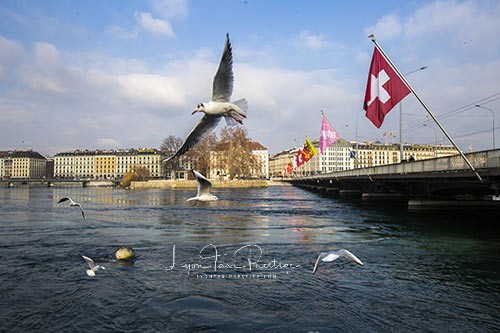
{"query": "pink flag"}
[(328, 135)]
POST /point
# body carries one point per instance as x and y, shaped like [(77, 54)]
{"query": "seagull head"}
[(199, 108)]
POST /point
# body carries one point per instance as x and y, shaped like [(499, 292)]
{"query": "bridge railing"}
[(488, 159)]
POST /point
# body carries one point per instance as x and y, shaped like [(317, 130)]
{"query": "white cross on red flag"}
[(384, 89)]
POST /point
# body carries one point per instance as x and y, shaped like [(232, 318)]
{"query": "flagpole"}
[(372, 36), (355, 157)]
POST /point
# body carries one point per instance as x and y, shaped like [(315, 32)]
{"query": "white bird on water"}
[(333, 255), (204, 187), (72, 204), (219, 106), (92, 266)]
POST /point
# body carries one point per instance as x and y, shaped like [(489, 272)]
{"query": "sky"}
[(126, 74)]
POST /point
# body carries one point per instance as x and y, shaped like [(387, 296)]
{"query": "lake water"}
[(242, 263)]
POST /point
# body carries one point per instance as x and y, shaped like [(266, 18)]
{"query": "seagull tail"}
[(236, 116), (242, 104)]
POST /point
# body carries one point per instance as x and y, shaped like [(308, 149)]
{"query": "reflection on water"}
[(242, 263)]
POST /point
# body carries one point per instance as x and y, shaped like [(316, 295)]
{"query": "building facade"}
[(343, 155), (22, 164), (106, 164)]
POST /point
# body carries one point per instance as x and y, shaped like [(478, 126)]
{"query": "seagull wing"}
[(346, 254), (63, 199), (321, 256), (330, 256), (201, 130), (89, 261), (204, 185), (223, 80), (81, 209)]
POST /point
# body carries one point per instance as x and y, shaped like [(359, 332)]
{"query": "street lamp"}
[(401, 152), (357, 116), (435, 140), (493, 124)]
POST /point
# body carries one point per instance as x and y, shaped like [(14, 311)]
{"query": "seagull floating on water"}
[(219, 106), (204, 187), (333, 255), (92, 266), (72, 204)]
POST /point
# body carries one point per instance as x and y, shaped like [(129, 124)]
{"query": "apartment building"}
[(262, 155), (343, 155), (106, 164), (22, 164), (337, 157), (375, 154)]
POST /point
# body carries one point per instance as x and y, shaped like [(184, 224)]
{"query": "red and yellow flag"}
[(309, 151)]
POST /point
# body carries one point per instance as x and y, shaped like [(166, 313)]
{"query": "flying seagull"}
[(219, 106), (204, 186), (333, 255), (92, 266), (72, 204)]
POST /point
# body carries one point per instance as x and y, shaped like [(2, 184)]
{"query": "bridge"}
[(14, 182), (434, 184)]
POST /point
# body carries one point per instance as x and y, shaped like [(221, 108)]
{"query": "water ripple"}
[(421, 273)]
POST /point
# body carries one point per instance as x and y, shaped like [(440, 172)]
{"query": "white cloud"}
[(45, 74), (121, 33), (46, 55), (108, 143), (313, 42), (11, 54), (151, 91), (387, 27), (155, 26), (170, 8), (285, 104)]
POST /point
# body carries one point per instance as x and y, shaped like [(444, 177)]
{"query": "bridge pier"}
[(350, 194), (333, 191), (379, 196), (452, 205)]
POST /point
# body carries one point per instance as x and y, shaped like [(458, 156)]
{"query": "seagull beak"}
[(194, 112)]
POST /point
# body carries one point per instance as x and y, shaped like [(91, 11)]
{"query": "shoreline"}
[(185, 184)]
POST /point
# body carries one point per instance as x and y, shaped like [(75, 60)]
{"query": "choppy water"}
[(421, 273)]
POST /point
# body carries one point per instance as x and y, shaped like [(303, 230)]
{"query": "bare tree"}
[(168, 147), (232, 153), (200, 154), (235, 153)]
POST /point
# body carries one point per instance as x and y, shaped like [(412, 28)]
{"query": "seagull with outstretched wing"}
[(334, 255), (204, 187), (72, 204), (92, 266), (219, 106)]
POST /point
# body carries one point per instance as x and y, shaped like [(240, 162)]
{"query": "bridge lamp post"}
[(357, 116), (493, 124), (435, 140), (401, 152)]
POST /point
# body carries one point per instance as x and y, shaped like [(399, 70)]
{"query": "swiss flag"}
[(384, 89)]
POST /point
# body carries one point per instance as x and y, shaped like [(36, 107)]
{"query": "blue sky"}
[(127, 74)]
